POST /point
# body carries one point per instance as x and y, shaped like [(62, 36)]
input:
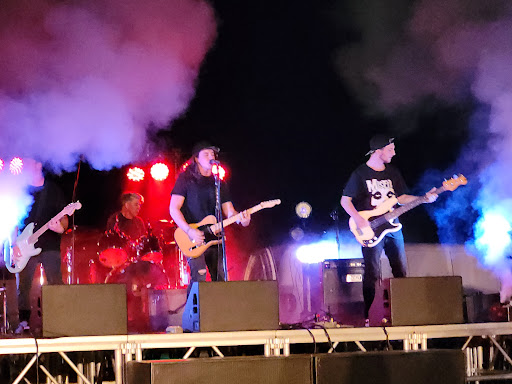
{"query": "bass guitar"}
[(381, 218), (211, 228), (27, 239)]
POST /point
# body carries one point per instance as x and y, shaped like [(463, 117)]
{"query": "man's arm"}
[(348, 206), (176, 214), (405, 199)]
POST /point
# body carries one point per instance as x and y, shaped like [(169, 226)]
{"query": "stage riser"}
[(395, 367)]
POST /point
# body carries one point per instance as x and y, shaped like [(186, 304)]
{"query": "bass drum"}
[(141, 278)]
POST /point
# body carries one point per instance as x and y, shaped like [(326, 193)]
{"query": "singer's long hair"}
[(191, 168)]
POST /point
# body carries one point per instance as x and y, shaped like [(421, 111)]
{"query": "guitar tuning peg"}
[(454, 176)]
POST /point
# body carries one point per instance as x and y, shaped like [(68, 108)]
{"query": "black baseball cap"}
[(198, 147), (379, 142)]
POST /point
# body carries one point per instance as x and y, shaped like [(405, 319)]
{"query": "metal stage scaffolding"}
[(273, 342)]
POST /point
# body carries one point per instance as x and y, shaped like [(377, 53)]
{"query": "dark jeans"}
[(211, 259), (393, 246), (52, 264)]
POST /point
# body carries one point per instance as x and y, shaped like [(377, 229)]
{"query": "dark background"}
[(269, 95)]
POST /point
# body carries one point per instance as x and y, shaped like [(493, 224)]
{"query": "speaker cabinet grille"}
[(232, 306), (84, 310), (227, 370), (391, 367)]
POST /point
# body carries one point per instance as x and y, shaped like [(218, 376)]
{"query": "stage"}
[(128, 348)]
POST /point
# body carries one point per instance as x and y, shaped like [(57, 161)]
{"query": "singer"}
[(192, 199)]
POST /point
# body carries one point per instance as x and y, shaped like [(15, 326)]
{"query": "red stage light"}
[(135, 174), (159, 171), (16, 166), (220, 170)]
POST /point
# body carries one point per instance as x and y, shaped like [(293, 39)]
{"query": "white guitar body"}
[(368, 236), (26, 240), (27, 249)]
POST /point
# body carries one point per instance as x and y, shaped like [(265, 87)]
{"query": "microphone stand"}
[(218, 212)]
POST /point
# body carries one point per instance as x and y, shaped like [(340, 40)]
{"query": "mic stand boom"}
[(218, 211)]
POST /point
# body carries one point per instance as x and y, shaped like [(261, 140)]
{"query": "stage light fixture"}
[(135, 174), (1, 164), (16, 166), (303, 210), (159, 171)]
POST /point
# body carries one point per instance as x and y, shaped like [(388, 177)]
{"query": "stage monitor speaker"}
[(418, 301), (232, 306), (391, 367), (84, 310), (226, 370)]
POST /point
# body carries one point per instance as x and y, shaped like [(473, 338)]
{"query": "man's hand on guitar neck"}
[(245, 218), (196, 235), (431, 195)]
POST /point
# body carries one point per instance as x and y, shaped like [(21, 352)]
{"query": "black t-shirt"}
[(369, 188), (48, 202), (133, 228), (199, 194)]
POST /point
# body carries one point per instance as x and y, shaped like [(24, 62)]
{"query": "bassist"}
[(370, 185), (48, 201), (192, 199)]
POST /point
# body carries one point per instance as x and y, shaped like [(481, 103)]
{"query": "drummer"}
[(127, 221)]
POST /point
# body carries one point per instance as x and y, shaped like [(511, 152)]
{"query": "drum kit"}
[(93, 257)]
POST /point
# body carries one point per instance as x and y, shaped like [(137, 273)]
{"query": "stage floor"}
[(272, 342)]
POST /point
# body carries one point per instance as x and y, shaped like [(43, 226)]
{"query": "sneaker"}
[(367, 323), (22, 327)]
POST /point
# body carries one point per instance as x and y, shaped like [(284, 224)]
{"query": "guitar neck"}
[(413, 204), (35, 236), (230, 220)]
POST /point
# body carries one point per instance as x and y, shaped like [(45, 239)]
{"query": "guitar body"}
[(193, 250), (381, 218), (27, 250), (210, 228), (26, 240), (371, 235)]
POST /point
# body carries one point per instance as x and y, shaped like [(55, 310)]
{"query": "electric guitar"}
[(26, 240), (210, 228), (381, 218)]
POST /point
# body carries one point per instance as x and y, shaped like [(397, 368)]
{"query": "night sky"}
[(291, 91), (269, 95)]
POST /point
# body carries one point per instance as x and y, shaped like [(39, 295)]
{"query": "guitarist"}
[(48, 202), (192, 199), (370, 185)]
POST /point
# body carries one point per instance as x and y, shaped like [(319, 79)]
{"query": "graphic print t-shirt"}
[(369, 188)]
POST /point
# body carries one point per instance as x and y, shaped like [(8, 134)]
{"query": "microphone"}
[(214, 162)]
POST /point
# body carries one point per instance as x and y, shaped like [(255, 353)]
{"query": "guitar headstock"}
[(455, 182), (270, 203), (72, 207)]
